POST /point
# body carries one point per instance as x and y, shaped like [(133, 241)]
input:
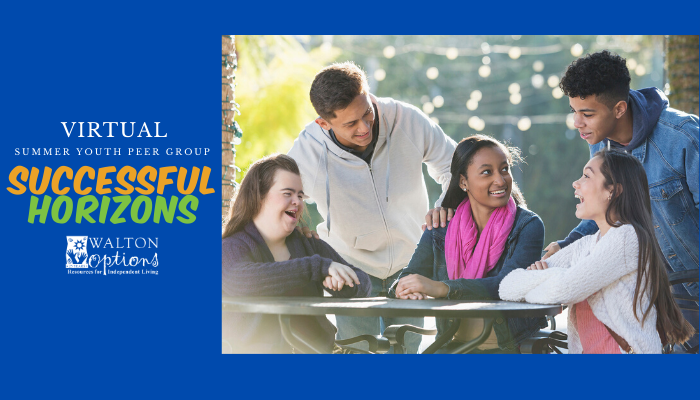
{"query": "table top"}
[(382, 306)]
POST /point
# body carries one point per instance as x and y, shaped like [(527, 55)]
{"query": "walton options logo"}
[(76, 252), (115, 256)]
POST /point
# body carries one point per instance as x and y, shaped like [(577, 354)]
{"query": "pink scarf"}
[(465, 261)]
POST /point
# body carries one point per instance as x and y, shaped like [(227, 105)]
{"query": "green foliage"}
[(274, 76)]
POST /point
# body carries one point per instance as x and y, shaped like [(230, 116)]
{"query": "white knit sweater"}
[(602, 270)]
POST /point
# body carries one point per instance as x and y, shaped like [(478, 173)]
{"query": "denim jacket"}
[(670, 158), (523, 247)]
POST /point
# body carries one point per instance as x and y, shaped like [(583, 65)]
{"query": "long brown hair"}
[(462, 157), (631, 204), (256, 183)]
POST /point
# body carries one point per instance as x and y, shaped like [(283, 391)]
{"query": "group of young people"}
[(361, 162)]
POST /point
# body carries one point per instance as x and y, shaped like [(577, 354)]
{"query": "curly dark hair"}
[(603, 74), (335, 87)]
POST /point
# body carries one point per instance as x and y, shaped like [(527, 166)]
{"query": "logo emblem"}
[(76, 252)]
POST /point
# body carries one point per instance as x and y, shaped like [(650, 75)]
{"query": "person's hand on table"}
[(438, 216), (550, 250), (413, 296), (340, 275), (307, 232), (538, 265), (419, 285)]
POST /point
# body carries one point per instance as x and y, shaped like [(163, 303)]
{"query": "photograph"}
[(491, 194)]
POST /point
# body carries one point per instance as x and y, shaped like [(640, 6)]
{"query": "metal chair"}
[(685, 301)]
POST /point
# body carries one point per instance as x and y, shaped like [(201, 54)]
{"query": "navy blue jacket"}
[(249, 269)]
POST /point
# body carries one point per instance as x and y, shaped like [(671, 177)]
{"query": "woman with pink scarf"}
[(491, 234)]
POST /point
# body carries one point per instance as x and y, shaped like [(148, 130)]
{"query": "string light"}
[(389, 52), (524, 123), (557, 93), (553, 81), (472, 104), (438, 101), (514, 88), (576, 50), (515, 98), (537, 81), (452, 53), (484, 71), (476, 95), (379, 75), (432, 73), (514, 53), (538, 66)]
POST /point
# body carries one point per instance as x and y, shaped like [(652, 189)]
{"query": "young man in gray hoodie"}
[(665, 140), (361, 162)]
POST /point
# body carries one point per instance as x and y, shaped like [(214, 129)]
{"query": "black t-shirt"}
[(365, 155)]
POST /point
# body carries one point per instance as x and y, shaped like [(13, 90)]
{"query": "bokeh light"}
[(484, 71), (576, 50), (438, 101), (389, 52), (557, 93), (514, 88), (514, 53), (428, 108), (472, 104), (379, 74), (476, 95), (515, 98), (640, 70), (538, 66), (537, 81), (524, 123), (553, 81), (452, 53), (432, 73), (486, 60)]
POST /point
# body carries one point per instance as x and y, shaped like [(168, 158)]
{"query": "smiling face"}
[(591, 191), (594, 120), (282, 206), (488, 181), (353, 125)]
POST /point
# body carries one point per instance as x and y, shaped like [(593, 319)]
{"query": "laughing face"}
[(282, 206), (591, 192), (488, 179), (353, 125)]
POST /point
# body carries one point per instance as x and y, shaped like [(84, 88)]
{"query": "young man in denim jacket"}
[(665, 140)]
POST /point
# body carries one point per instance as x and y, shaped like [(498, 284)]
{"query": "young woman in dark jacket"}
[(264, 255), (491, 233)]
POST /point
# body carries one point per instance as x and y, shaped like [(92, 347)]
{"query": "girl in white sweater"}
[(614, 281)]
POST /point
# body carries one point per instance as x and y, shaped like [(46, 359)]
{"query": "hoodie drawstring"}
[(328, 190)]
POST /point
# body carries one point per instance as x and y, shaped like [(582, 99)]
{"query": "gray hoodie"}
[(373, 213)]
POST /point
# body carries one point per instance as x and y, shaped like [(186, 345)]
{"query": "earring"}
[(610, 196), (464, 189)]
